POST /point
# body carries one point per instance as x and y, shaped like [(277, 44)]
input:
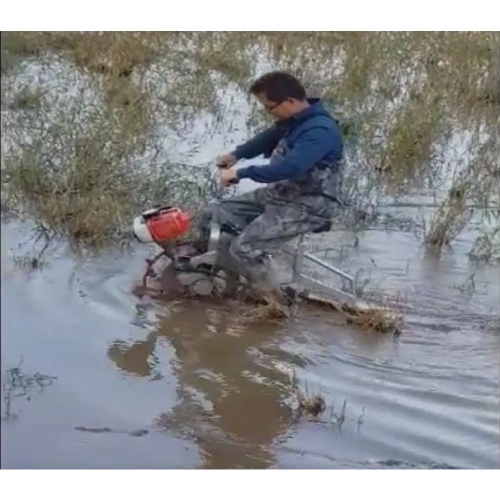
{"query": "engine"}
[(160, 225)]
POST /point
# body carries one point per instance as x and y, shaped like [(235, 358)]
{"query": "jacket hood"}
[(315, 108)]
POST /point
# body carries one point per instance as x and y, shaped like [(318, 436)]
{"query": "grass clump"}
[(376, 316), (486, 248), (473, 188), (374, 319), (78, 182), (83, 197), (311, 405), (269, 313), (265, 309), (307, 404), (103, 52), (78, 162)]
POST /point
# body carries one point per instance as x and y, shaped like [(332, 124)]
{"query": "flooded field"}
[(208, 392), (94, 378)]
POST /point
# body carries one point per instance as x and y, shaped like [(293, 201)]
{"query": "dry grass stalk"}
[(269, 311), (408, 95), (311, 405), (376, 318)]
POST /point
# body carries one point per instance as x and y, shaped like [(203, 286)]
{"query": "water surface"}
[(187, 385)]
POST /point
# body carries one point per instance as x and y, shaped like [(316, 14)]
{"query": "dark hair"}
[(278, 86)]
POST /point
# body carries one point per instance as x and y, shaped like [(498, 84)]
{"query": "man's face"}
[(280, 110)]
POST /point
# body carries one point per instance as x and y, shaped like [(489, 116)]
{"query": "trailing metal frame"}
[(308, 286)]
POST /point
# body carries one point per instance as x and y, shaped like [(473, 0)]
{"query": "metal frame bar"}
[(311, 286), (214, 237), (300, 256)]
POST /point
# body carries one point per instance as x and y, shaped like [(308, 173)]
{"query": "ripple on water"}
[(193, 371), (429, 394)]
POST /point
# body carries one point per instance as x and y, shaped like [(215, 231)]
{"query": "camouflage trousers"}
[(267, 218)]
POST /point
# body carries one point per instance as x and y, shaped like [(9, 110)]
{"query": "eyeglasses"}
[(274, 106)]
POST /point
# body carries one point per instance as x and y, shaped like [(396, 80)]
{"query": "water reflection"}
[(231, 400), (136, 358)]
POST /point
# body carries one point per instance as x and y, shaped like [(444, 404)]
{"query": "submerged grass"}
[(84, 147), (268, 313), (314, 406), (376, 317), (375, 320)]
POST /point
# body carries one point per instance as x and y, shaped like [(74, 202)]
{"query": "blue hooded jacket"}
[(311, 136)]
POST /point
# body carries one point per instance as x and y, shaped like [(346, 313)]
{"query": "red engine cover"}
[(167, 224)]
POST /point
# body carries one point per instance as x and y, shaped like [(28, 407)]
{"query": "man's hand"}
[(225, 161), (228, 176)]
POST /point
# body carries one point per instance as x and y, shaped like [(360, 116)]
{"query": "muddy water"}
[(187, 385)]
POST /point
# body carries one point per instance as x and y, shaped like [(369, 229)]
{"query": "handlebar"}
[(224, 166)]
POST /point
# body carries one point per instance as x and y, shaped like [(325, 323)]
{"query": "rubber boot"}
[(265, 280)]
